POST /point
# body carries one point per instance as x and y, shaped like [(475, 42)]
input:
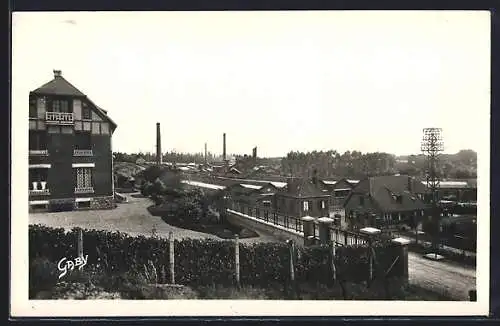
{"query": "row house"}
[(70, 152)]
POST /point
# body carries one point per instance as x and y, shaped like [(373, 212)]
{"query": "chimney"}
[(254, 152), (206, 159), (315, 177), (158, 145), (224, 146), (57, 73)]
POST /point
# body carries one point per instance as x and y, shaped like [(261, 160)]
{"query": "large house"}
[(70, 154), (386, 201)]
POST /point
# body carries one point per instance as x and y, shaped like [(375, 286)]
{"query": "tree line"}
[(355, 164)]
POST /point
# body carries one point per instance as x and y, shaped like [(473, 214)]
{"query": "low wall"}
[(276, 231)]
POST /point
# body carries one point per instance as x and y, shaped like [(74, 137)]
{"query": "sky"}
[(281, 81)]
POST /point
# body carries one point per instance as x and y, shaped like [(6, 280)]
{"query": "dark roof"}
[(60, 86), (301, 188), (384, 190)]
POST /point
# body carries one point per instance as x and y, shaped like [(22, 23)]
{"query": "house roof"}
[(383, 191), (60, 86), (302, 188)]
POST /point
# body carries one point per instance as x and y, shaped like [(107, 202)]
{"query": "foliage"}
[(42, 275), (205, 262), (331, 164)]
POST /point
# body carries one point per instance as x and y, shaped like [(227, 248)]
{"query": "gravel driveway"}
[(131, 218)]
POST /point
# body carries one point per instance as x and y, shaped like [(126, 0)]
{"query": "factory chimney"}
[(158, 145), (224, 146), (206, 154), (254, 153)]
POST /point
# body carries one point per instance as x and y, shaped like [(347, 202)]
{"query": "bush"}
[(206, 262), (43, 276)]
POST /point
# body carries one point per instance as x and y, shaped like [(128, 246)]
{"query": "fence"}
[(339, 236), (205, 262)]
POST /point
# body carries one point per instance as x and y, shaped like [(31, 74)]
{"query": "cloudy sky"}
[(367, 81)]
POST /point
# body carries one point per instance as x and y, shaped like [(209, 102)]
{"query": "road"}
[(450, 279)]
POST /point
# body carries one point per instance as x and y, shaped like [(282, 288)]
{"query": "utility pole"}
[(432, 146)]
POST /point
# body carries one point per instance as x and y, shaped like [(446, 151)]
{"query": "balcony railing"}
[(59, 118), (82, 152), (38, 152), (44, 192), (84, 190), (39, 188)]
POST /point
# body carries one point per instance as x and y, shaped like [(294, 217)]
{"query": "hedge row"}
[(205, 262)]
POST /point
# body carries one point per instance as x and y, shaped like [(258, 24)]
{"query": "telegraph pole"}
[(432, 146)]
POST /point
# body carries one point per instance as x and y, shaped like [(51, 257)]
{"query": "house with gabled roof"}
[(302, 197), (70, 149), (386, 201)]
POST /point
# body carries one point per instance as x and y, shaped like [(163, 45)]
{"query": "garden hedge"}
[(205, 262)]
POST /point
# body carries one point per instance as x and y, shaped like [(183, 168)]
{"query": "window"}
[(306, 206), (37, 140), (37, 175), (323, 206), (86, 113), (361, 200), (83, 178), (33, 108), (83, 140), (60, 106), (84, 204), (38, 179)]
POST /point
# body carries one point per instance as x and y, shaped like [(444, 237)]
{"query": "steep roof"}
[(302, 188), (60, 86), (385, 190)]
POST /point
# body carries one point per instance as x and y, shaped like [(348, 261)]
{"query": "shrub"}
[(205, 262), (43, 276)]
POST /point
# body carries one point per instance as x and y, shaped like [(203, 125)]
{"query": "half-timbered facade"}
[(70, 153)]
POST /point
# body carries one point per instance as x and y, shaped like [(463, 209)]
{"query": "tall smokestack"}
[(254, 152), (206, 154), (224, 146), (158, 144)]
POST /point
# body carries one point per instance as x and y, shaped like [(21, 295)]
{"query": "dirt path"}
[(450, 279)]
